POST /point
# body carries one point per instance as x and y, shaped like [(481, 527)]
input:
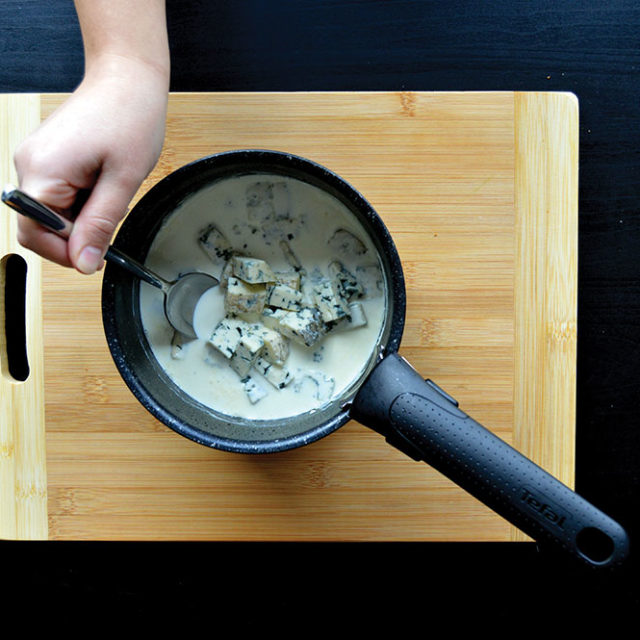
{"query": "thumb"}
[(95, 225)]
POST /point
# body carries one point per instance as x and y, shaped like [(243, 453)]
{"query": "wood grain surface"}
[(479, 191), (23, 475)]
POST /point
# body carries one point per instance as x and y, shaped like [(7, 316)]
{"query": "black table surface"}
[(589, 47)]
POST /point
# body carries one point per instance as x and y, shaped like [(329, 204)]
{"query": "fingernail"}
[(89, 260)]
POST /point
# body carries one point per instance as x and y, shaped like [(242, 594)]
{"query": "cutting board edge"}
[(547, 153), (23, 473)]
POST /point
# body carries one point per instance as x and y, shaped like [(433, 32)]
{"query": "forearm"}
[(124, 30), (106, 137)]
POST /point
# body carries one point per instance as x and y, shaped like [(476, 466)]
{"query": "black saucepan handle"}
[(424, 422)]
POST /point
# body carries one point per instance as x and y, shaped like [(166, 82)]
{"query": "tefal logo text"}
[(542, 506)]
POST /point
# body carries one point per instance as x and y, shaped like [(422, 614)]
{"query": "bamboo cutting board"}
[(479, 191)]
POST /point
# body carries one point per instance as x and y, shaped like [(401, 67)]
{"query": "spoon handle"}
[(43, 215), (115, 256), (32, 208)]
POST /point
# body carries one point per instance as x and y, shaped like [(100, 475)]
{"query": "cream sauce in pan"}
[(256, 214)]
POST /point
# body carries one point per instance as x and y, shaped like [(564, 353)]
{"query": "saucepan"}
[(412, 413)]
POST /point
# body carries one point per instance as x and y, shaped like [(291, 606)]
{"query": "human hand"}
[(104, 140)]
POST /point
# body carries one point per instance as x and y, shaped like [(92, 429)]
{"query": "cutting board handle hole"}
[(13, 339)]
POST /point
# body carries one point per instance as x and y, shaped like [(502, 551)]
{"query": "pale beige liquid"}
[(203, 372)]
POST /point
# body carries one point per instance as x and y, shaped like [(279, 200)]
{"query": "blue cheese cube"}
[(304, 327), (252, 270), (348, 284), (247, 352), (242, 297), (290, 278), (284, 297), (214, 244), (276, 346), (271, 317), (255, 392), (227, 334), (226, 272), (278, 376), (327, 298), (355, 319)]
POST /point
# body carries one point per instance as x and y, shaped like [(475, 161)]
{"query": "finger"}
[(97, 222), (45, 243), (58, 195)]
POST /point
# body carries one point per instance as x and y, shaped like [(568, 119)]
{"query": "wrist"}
[(120, 34), (109, 64)]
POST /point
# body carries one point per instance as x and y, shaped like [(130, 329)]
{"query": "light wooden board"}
[(23, 476), (479, 191)]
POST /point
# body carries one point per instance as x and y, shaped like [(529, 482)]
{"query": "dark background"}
[(588, 47)]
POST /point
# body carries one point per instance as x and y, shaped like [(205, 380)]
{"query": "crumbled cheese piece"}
[(246, 353), (290, 278), (348, 284), (251, 270), (276, 346), (355, 318), (318, 383), (214, 244), (227, 334), (227, 271), (304, 326), (255, 392), (279, 377), (271, 317), (328, 300), (284, 297), (242, 297)]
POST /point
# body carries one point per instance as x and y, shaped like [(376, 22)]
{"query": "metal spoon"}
[(180, 296)]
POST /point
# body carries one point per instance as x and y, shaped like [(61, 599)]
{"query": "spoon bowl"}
[(181, 298)]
